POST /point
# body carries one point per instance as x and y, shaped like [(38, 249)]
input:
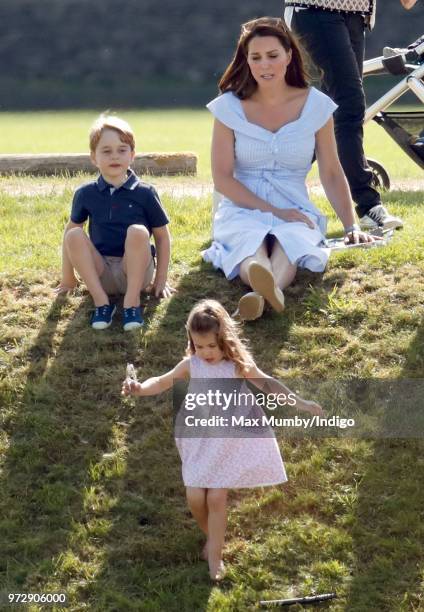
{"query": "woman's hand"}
[(293, 215), (356, 236), (130, 387)]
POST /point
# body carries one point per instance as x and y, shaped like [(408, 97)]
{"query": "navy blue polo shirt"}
[(111, 211)]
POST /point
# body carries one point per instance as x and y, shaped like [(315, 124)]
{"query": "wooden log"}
[(68, 164)]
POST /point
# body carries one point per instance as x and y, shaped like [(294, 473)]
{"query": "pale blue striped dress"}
[(274, 167)]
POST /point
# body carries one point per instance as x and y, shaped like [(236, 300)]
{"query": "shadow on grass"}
[(58, 423), (151, 557), (92, 499), (388, 533), (152, 551)]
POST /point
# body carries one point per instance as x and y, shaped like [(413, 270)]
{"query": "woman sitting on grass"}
[(212, 464), (268, 124)]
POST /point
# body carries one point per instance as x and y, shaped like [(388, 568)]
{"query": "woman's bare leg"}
[(261, 256), (87, 262), (216, 500), (282, 270)]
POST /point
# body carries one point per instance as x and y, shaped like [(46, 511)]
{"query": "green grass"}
[(182, 130), (92, 502)]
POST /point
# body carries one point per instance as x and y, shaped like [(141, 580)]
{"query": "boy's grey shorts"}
[(114, 279)]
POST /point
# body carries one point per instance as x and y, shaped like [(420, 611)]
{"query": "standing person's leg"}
[(336, 43), (352, 142), (327, 39), (216, 500)]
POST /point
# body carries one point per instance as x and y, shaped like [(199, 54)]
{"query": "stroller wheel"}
[(380, 178)]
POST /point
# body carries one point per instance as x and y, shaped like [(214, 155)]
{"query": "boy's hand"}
[(130, 387), (161, 289), (313, 408), (63, 287)]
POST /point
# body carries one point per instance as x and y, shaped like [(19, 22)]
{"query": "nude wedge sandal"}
[(250, 307), (262, 282)]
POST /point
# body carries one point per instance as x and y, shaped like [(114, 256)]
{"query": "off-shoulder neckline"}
[(301, 114)]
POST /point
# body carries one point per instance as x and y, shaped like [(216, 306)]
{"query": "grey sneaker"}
[(378, 216), (392, 51)]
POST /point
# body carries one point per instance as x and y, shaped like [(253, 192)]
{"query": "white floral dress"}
[(227, 462)]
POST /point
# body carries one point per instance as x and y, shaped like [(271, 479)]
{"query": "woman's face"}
[(267, 60)]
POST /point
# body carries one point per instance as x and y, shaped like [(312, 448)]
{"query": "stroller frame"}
[(398, 124)]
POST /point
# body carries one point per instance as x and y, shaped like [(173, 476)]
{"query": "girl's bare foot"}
[(216, 570), (204, 553)]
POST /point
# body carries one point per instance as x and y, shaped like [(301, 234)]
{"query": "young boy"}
[(116, 256)]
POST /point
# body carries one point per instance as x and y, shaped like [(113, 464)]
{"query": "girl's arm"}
[(334, 181), (267, 384), (224, 181), (157, 384)]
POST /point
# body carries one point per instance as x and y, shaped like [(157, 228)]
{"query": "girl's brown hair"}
[(210, 316), (237, 76)]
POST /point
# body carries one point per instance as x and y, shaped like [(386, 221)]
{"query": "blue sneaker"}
[(102, 316), (132, 318)]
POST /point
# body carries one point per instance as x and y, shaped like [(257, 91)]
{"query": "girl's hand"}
[(130, 387), (313, 408), (293, 215)]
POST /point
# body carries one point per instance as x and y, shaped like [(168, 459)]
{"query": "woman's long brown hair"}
[(237, 76)]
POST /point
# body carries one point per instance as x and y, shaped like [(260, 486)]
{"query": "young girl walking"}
[(212, 465)]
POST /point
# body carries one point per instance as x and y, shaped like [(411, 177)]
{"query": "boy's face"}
[(112, 157)]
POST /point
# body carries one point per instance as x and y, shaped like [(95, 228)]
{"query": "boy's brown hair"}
[(110, 122)]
